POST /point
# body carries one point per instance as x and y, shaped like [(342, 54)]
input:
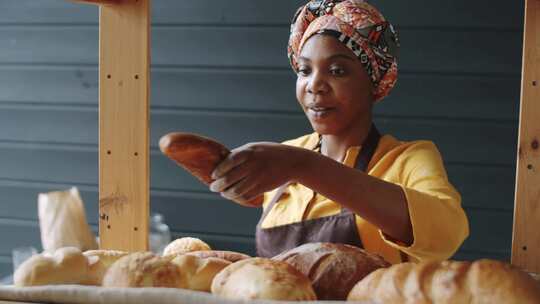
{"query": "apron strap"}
[(274, 200)]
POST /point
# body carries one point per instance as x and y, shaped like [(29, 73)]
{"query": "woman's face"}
[(332, 87)]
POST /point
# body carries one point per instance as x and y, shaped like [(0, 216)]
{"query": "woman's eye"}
[(303, 71), (337, 71)]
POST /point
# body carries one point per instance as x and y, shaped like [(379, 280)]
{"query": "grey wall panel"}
[(471, 97), (484, 142), (455, 14), (424, 50)]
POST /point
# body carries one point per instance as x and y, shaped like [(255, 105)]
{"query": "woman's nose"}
[(317, 84)]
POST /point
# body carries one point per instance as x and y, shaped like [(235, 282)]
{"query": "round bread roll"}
[(260, 278), (143, 269), (448, 282), (99, 261), (197, 154), (328, 263), (230, 256), (66, 265), (184, 245), (199, 272)]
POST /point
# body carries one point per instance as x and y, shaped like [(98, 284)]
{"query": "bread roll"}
[(230, 256), (260, 278), (197, 154), (199, 272), (65, 266), (184, 245), (143, 269), (99, 261), (326, 264), (449, 282)]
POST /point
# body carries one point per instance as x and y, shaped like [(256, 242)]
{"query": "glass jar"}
[(159, 234)]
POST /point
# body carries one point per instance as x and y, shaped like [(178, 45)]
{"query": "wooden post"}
[(124, 155), (526, 236)]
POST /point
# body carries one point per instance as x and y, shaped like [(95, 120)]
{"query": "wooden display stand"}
[(124, 152), (124, 123)]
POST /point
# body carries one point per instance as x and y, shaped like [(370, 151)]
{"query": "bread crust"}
[(185, 245), (197, 272), (261, 278), (99, 262), (230, 256), (197, 154), (328, 263), (66, 265), (448, 282)]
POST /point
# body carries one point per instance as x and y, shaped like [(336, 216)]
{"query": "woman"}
[(345, 182)]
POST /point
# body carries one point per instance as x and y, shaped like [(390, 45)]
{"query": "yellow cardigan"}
[(438, 221)]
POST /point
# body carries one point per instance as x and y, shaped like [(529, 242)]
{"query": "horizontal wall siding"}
[(219, 68)]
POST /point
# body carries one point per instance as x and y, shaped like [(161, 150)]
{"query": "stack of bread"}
[(322, 271)]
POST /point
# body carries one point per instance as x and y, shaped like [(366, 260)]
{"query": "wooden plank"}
[(264, 47), (478, 14), (124, 78), (78, 126), (526, 236), (471, 97)]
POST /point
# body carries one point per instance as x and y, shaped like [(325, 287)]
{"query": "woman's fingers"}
[(244, 190), (230, 178), (234, 159)]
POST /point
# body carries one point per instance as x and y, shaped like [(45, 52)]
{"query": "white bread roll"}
[(449, 282), (99, 261), (184, 245), (260, 278), (197, 272), (143, 269), (66, 265)]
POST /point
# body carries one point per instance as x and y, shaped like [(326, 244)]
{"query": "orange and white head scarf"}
[(358, 25)]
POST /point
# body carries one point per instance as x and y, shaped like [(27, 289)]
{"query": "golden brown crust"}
[(328, 263), (230, 256), (448, 282), (185, 245), (260, 278), (99, 262), (143, 269), (199, 272), (66, 265), (197, 154)]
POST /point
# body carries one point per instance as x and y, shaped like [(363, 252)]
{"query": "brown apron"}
[(339, 228)]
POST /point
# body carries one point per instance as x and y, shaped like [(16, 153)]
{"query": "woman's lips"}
[(320, 112)]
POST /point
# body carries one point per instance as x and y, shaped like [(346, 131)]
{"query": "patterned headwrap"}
[(358, 25)]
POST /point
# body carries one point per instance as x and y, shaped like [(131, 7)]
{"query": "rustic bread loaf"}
[(449, 282), (332, 268), (143, 269), (197, 272), (99, 262), (197, 154), (66, 265), (260, 278), (230, 256), (184, 245)]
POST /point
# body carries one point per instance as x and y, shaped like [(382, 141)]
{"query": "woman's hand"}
[(254, 168)]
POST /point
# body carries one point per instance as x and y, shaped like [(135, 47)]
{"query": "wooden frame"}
[(124, 123), (124, 153), (526, 232)]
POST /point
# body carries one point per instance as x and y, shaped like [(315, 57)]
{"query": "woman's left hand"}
[(254, 168)]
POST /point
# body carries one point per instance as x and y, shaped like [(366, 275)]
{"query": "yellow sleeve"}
[(439, 223)]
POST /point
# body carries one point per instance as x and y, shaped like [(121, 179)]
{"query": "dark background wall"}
[(219, 68)]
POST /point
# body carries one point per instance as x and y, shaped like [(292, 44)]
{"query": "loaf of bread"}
[(197, 272), (184, 245), (66, 265), (261, 278), (332, 268), (449, 282), (99, 262), (197, 154), (230, 256), (143, 269)]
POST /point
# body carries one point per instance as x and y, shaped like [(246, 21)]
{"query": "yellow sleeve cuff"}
[(439, 226)]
